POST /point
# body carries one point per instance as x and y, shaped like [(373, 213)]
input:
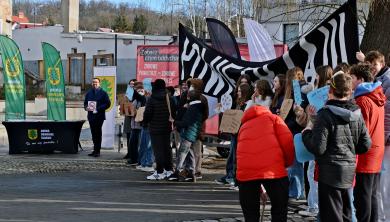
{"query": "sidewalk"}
[(63, 185)]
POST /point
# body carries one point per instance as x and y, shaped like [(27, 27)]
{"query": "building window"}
[(290, 34)]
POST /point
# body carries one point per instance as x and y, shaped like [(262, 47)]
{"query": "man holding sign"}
[(96, 102)]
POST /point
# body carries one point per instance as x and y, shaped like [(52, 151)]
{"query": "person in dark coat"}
[(157, 116), (338, 134), (190, 127), (96, 102)]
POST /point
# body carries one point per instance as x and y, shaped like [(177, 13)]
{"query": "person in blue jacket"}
[(96, 102)]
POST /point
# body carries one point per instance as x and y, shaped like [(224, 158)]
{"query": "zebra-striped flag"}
[(333, 41)]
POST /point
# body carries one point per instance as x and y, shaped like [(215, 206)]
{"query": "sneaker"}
[(230, 182), (190, 178), (174, 176), (139, 167), (198, 175), (233, 187), (221, 181), (147, 169), (156, 176), (168, 173)]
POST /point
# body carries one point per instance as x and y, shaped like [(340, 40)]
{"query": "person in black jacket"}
[(157, 116), (338, 134), (190, 127), (96, 102)]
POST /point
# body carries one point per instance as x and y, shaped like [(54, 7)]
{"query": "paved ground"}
[(65, 187), (111, 196)]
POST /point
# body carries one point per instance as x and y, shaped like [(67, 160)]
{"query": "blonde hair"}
[(295, 73)]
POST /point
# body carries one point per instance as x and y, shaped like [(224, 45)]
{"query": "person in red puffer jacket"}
[(370, 98), (265, 149)]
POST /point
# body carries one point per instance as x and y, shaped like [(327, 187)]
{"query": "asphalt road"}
[(112, 195)]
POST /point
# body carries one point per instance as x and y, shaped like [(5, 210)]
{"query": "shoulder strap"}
[(169, 105)]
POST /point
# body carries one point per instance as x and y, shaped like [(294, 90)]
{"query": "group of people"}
[(166, 114), (347, 137)]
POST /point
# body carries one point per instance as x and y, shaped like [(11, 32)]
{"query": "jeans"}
[(185, 150), (312, 199), (197, 148), (384, 188), (350, 193), (295, 175), (145, 152), (231, 161)]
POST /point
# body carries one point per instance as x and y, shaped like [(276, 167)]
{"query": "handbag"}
[(139, 117)]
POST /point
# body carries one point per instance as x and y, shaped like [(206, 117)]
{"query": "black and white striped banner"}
[(333, 41)]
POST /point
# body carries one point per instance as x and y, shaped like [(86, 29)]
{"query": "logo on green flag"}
[(14, 83), (55, 83)]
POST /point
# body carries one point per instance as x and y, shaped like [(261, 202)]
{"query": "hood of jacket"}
[(253, 112), (373, 90), (382, 72), (159, 94), (346, 110)]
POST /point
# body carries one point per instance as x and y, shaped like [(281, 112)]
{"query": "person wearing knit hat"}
[(197, 85), (158, 111)]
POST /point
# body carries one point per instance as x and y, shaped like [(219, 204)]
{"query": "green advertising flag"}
[(55, 83), (14, 83)]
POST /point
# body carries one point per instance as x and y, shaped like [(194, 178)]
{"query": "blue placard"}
[(318, 97), (297, 92), (301, 153), (129, 93), (147, 82)]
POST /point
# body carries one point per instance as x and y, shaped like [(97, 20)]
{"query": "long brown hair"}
[(264, 88), (295, 73), (279, 92), (324, 73), (243, 76), (246, 94)]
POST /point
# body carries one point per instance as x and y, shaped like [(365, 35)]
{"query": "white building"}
[(286, 20), (29, 41), (284, 27)]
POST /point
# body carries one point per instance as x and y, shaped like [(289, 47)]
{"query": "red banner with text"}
[(158, 62)]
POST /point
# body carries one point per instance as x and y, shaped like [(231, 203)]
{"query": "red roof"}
[(20, 18)]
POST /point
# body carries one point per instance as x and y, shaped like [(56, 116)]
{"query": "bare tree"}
[(376, 34)]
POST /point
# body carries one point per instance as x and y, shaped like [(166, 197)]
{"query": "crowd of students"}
[(347, 137), (167, 114)]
